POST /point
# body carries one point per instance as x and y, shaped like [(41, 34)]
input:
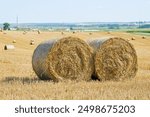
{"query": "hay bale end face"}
[(115, 59), (69, 58), (9, 47)]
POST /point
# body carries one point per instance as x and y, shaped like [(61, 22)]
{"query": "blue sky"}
[(45, 11)]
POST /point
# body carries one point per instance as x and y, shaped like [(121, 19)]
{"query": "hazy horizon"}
[(74, 22), (74, 11)]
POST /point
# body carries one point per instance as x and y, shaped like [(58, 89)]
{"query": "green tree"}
[(6, 26)]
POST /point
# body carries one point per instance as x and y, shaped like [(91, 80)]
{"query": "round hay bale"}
[(115, 59), (132, 38), (62, 33), (9, 47), (143, 37), (90, 33), (1, 30), (14, 41), (32, 43), (24, 32), (68, 58), (108, 32), (39, 32)]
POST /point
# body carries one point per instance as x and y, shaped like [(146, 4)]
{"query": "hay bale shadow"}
[(23, 80), (94, 78)]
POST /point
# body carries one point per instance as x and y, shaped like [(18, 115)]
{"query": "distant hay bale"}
[(62, 33), (32, 42), (68, 58), (1, 30), (143, 37), (4, 33), (73, 32), (132, 38), (115, 59), (108, 32), (9, 47), (90, 33), (24, 32), (14, 41), (39, 32)]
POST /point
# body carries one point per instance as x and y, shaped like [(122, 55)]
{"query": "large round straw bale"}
[(115, 59), (61, 59)]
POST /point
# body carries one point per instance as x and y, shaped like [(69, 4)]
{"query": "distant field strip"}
[(140, 32)]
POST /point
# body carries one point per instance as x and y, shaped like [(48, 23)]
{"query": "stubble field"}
[(18, 80)]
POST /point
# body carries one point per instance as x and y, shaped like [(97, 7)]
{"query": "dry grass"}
[(18, 81)]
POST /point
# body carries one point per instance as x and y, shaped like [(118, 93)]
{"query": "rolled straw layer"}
[(63, 59), (114, 59)]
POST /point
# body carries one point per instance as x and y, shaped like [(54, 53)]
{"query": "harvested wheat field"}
[(18, 80)]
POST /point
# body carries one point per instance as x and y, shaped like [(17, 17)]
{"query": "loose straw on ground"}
[(69, 58), (114, 59)]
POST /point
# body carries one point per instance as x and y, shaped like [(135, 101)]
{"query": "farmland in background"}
[(18, 80)]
